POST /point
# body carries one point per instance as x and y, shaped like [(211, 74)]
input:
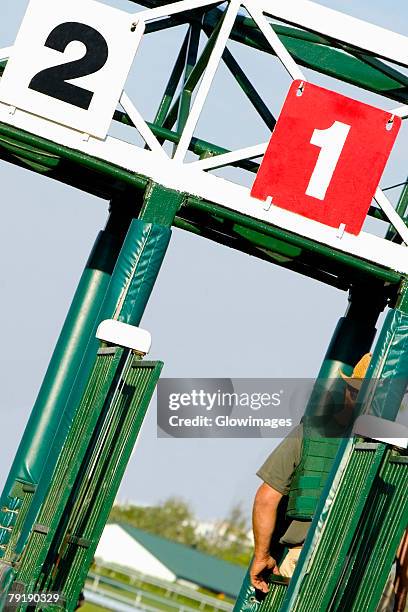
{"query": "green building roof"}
[(190, 564)]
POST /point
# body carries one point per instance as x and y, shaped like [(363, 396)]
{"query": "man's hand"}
[(263, 520), (260, 568)]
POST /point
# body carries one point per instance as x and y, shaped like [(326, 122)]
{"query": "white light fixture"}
[(122, 334)]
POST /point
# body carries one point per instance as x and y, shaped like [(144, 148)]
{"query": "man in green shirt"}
[(277, 473)]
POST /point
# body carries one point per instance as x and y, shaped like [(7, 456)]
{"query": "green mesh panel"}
[(101, 480), (68, 464), (380, 530), (88, 474), (348, 504), (318, 454), (27, 492), (277, 591)]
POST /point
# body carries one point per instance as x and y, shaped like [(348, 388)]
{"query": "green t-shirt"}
[(277, 472)]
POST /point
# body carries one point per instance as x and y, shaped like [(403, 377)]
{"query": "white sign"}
[(70, 62)]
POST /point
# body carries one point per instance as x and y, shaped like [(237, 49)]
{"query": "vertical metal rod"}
[(392, 215), (195, 75), (401, 208), (172, 84), (248, 89), (207, 80), (276, 44), (185, 99)]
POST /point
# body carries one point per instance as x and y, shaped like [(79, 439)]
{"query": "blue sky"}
[(214, 312)]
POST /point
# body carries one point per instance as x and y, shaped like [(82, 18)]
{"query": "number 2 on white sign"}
[(331, 142)]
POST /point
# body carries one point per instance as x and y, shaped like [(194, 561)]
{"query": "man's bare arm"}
[(263, 521)]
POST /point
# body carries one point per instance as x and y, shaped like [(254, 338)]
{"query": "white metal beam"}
[(171, 9), (184, 178), (392, 214), (141, 126), (275, 42), (207, 80), (345, 28)]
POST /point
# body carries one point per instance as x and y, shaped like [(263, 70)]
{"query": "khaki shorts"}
[(288, 565)]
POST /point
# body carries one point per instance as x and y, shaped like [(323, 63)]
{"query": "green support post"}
[(191, 59), (133, 278), (129, 289), (172, 84), (33, 452), (87, 476)]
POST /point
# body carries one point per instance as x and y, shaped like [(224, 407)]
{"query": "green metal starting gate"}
[(95, 394)]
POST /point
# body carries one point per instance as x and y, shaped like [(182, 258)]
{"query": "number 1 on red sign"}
[(331, 143)]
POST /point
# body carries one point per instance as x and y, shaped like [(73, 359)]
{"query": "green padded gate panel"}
[(102, 479), (131, 284), (88, 474), (352, 337), (319, 584), (81, 319), (125, 299), (68, 465), (381, 528)]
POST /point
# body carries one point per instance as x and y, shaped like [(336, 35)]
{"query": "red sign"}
[(326, 156)]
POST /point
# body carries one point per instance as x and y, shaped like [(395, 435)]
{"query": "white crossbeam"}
[(392, 214), (171, 9), (209, 187), (334, 24), (217, 161), (207, 79), (275, 42), (141, 126)]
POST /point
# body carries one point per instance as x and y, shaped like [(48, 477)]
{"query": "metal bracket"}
[(340, 230), (9, 510), (83, 542), (41, 529), (268, 203)]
